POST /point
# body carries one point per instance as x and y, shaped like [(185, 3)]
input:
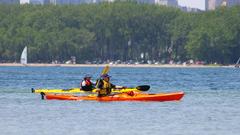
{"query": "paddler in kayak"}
[(87, 84), (104, 87)]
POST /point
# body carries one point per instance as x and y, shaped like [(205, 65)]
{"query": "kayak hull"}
[(136, 96)]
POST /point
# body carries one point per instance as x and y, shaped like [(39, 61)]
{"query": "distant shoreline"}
[(111, 65)]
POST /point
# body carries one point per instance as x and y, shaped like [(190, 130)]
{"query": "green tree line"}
[(118, 31)]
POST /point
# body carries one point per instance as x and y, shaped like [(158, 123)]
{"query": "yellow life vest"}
[(106, 88)]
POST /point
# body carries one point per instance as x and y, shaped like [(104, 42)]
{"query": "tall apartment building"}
[(9, 1), (213, 4)]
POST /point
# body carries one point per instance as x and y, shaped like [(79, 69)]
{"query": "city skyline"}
[(195, 4), (200, 4)]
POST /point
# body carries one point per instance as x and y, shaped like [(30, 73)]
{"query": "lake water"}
[(211, 105)]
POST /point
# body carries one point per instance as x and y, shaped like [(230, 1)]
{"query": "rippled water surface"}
[(211, 105)]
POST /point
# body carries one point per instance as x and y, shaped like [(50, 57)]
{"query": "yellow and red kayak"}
[(129, 96), (78, 90)]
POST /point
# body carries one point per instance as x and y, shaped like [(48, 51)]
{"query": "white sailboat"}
[(237, 63), (23, 59)]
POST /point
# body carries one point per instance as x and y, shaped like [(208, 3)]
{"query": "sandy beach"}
[(111, 65)]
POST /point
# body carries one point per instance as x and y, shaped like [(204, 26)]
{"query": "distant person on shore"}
[(87, 84), (104, 87)]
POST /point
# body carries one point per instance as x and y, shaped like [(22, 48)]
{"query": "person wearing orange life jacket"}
[(104, 87), (86, 84)]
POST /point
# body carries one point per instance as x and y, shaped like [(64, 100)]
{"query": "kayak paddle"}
[(105, 71), (140, 88)]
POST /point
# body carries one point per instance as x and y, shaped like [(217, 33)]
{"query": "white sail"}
[(238, 61), (24, 56)]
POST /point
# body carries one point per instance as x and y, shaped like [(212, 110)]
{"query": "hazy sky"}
[(193, 3)]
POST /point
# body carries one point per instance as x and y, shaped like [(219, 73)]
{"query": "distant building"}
[(42, 2), (55, 2), (65, 2), (188, 9), (9, 1), (173, 3), (213, 4), (160, 2)]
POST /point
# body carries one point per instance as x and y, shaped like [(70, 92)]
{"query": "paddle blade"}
[(105, 70), (143, 87)]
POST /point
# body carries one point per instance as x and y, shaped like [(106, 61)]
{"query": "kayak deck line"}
[(135, 96), (78, 90)]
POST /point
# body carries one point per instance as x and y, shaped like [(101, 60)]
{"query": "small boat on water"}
[(23, 59), (237, 65)]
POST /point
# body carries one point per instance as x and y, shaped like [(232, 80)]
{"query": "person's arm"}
[(93, 85), (83, 83), (99, 84)]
